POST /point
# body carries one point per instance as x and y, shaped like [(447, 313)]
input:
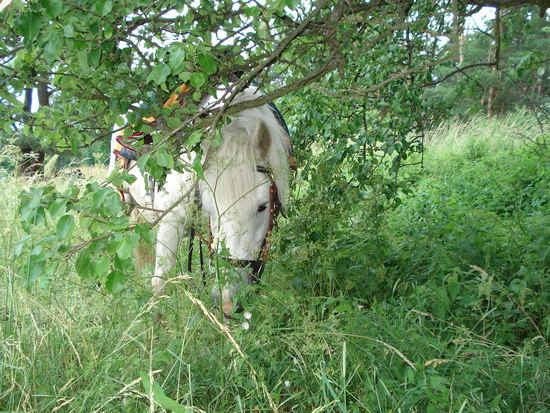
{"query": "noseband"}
[(258, 265)]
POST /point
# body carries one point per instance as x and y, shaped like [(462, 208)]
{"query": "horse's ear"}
[(263, 140)]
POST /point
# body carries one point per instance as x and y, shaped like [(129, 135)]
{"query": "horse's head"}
[(251, 160)]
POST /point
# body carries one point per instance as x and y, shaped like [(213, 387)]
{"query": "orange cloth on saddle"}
[(123, 151)]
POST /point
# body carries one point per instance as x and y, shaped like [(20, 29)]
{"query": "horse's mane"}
[(233, 164)]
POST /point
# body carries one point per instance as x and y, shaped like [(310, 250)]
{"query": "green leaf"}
[(33, 269), (68, 30), (155, 170), (74, 147), (173, 122), (39, 216), (195, 138), (146, 128), (100, 266), (164, 159), (146, 381), (159, 74), (197, 166), (112, 204), (146, 233), (53, 8), (177, 58), (50, 50), (115, 282), (82, 264), (119, 223), (99, 196), (112, 244), (198, 79), (64, 226), (103, 7), (439, 309), (19, 247), (185, 76), (29, 25), (128, 177), (124, 248), (121, 265), (108, 32), (159, 397), (82, 57), (7, 127), (13, 100), (263, 31), (168, 403), (142, 161), (94, 57), (208, 63), (292, 4)]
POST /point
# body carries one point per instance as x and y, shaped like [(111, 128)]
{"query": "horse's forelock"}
[(234, 162)]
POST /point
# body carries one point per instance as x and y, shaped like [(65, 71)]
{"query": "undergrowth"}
[(440, 304)]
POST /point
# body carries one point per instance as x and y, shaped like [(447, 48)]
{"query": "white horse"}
[(252, 159)]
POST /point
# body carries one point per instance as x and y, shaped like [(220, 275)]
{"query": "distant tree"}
[(502, 68)]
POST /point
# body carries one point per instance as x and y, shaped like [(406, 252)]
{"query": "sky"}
[(479, 20)]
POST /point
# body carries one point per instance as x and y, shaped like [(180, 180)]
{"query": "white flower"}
[(287, 383), (245, 325), (247, 315)]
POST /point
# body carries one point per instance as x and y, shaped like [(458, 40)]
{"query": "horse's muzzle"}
[(249, 272)]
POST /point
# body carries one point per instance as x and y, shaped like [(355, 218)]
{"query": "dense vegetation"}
[(440, 304), (412, 271)]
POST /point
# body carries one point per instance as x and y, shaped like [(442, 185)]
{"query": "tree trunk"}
[(27, 103), (461, 41), (33, 153), (493, 91), (43, 94)]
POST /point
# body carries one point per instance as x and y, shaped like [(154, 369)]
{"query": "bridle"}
[(275, 208), (126, 153), (258, 265)]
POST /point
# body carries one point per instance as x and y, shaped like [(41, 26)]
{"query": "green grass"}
[(357, 311)]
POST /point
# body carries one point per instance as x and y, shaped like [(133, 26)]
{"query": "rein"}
[(258, 265)]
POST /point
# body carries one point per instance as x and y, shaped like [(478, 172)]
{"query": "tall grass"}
[(439, 305), (488, 134)]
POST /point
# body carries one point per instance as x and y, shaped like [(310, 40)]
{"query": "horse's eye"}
[(262, 208)]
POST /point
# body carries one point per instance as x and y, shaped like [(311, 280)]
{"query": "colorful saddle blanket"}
[(125, 150)]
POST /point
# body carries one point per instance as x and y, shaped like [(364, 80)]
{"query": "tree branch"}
[(458, 70), (399, 75)]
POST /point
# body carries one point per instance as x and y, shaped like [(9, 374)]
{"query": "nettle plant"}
[(351, 73)]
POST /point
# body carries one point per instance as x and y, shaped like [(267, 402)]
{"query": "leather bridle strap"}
[(258, 265), (275, 207)]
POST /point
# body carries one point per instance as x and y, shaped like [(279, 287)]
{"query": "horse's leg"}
[(169, 235)]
